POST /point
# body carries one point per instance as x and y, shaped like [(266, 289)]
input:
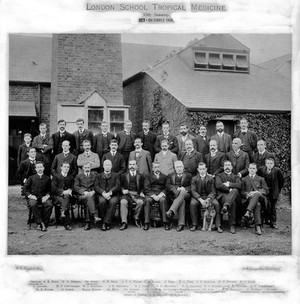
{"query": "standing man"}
[(132, 185), (262, 154), (61, 188), (43, 144), (275, 181), (142, 157), (23, 149), (179, 187), (254, 190), (64, 156), (248, 138), (181, 139), (201, 142), (228, 186), (165, 158), (60, 136), (81, 135), (88, 157), (155, 190), (172, 140), (203, 192), (215, 159), (238, 158), (191, 158), (107, 187), (223, 139), (117, 159), (126, 140), (84, 188), (102, 140), (148, 138), (27, 166), (37, 191)]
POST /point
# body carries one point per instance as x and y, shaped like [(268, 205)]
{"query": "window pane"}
[(214, 60), (116, 127), (200, 58), (241, 62), (117, 116), (228, 61), (95, 115), (94, 127)]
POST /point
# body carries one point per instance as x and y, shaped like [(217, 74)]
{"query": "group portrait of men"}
[(145, 177)]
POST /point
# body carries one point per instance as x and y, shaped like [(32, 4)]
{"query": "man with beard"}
[(132, 185), (43, 144), (61, 136), (248, 138), (148, 138), (179, 186), (88, 157), (102, 140), (81, 135), (172, 140), (262, 154), (142, 157), (201, 142), (117, 159), (223, 139), (155, 190), (61, 188), (165, 158), (215, 159), (107, 187), (181, 139), (37, 191), (84, 188), (191, 158), (228, 186)]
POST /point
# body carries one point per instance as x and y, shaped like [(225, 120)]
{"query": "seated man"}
[(203, 192), (132, 185), (179, 186), (191, 158), (254, 189), (107, 187), (62, 184), (155, 190), (84, 188), (88, 157), (228, 186), (37, 191)]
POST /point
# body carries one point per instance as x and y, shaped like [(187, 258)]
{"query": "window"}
[(214, 61), (200, 60), (241, 63), (117, 118), (95, 116), (228, 62)]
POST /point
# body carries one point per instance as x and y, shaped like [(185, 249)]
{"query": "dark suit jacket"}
[(37, 186), (209, 186), (25, 169), (224, 143), (239, 163), (22, 153), (191, 162), (181, 143), (86, 135), (43, 154), (60, 159), (125, 181), (154, 186), (60, 183), (143, 161), (121, 138), (201, 145), (118, 162), (98, 144), (112, 183), (57, 148), (257, 184), (172, 142), (234, 182), (83, 183), (260, 160), (152, 139), (277, 180), (251, 139), (215, 164), (185, 182)]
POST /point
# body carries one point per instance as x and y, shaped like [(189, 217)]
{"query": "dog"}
[(208, 216)]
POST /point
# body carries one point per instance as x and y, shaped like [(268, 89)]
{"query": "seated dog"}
[(208, 216)]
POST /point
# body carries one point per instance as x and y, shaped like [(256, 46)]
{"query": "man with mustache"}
[(88, 157), (201, 142), (172, 140), (191, 158), (81, 135), (215, 159), (181, 139), (165, 158), (148, 138), (228, 186), (223, 139)]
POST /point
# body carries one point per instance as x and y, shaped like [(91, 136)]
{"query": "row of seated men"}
[(175, 193)]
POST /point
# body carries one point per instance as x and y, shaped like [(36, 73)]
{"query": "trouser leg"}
[(111, 208), (163, 204), (47, 210), (217, 209), (253, 201), (91, 208), (178, 201), (36, 210), (124, 210), (181, 214), (138, 208), (257, 214), (273, 215), (194, 208), (147, 209), (102, 206), (65, 203)]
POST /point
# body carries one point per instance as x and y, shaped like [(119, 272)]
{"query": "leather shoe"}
[(167, 226), (170, 214), (232, 230), (193, 228), (146, 227), (123, 226), (43, 227), (103, 227), (220, 230), (224, 210), (258, 230), (137, 223), (68, 227), (180, 228), (87, 226)]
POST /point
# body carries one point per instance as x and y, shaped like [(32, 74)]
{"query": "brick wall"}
[(45, 104)]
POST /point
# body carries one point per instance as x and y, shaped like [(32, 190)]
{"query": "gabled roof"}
[(282, 65)]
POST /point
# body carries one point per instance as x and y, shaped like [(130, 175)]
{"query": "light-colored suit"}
[(91, 157), (166, 162), (143, 161)]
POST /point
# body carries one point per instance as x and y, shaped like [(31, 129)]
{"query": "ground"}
[(155, 241)]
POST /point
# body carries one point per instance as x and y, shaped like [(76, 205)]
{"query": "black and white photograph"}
[(149, 144)]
